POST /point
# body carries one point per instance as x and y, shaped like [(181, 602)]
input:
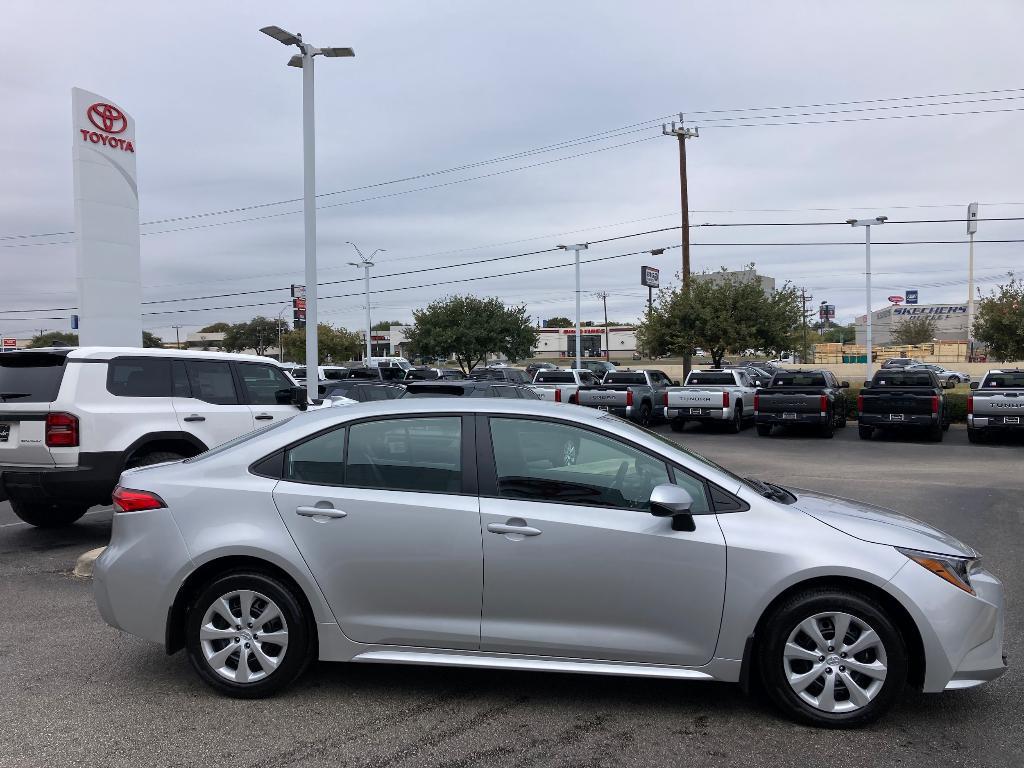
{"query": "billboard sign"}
[(911, 296), (826, 311), (896, 299), (106, 221), (9, 345), (298, 306), (650, 276)]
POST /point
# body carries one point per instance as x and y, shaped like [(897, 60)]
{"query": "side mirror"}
[(673, 501), (675, 382), (975, 384), (292, 396), (867, 384), (844, 384)]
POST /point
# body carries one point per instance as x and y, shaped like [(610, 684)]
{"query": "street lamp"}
[(366, 262), (305, 62), (579, 341), (280, 348), (867, 224)]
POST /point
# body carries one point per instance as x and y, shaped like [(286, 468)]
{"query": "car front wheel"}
[(247, 635), (832, 659)]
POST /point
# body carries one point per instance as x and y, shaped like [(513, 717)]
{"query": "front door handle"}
[(521, 530), (320, 512), (195, 417), (264, 417)]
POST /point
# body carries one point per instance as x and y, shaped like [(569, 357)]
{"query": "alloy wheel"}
[(243, 636), (835, 662)]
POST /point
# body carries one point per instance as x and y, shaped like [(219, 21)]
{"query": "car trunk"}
[(29, 382)]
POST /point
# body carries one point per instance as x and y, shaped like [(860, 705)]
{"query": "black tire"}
[(975, 435), (301, 641), (936, 433), (842, 420), (47, 514), (764, 430), (677, 425), (737, 419), (865, 432), (644, 416), (828, 429), (148, 459), (772, 665)]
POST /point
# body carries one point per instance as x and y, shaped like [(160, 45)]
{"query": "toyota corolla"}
[(510, 535)]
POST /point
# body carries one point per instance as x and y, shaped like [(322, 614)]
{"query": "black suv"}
[(361, 391)]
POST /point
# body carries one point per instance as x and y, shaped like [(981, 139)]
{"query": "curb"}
[(86, 561)]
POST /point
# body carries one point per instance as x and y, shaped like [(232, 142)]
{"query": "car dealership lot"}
[(79, 692)]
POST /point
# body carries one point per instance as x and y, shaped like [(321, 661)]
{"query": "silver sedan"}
[(508, 535)]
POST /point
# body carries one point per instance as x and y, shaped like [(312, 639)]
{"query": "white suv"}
[(72, 419)]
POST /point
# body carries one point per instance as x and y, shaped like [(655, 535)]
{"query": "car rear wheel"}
[(149, 459), (677, 425), (737, 419), (865, 432), (644, 417), (764, 430), (828, 429), (832, 659), (936, 433), (43, 514), (247, 635), (975, 435)]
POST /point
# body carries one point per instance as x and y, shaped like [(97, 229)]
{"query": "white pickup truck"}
[(561, 386), (996, 405), (713, 395)]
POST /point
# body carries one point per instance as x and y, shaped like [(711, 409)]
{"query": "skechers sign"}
[(952, 309), (109, 120)]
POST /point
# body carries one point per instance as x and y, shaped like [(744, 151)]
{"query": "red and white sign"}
[(9, 343), (896, 299), (109, 120)]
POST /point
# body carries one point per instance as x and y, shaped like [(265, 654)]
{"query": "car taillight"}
[(860, 403), (970, 403), (629, 397), (129, 500), (935, 403), (757, 402), (558, 395), (664, 398), (824, 403), (61, 430), (725, 399)]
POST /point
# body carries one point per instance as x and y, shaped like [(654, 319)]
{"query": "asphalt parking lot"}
[(76, 692)]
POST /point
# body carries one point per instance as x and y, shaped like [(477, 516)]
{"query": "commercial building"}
[(950, 322), (739, 276), (561, 342)]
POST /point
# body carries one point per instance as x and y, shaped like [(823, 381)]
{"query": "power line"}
[(866, 119)]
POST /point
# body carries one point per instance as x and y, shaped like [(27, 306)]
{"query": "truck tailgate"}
[(604, 396), (907, 401), (999, 405), (789, 402), (695, 397)]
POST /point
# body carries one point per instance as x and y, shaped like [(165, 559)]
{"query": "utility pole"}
[(972, 227), (177, 338), (576, 249), (804, 298), (366, 262), (682, 134), (867, 224), (603, 296)]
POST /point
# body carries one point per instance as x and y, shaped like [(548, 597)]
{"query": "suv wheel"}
[(247, 635), (44, 514), (677, 425), (737, 418), (936, 433), (156, 457), (975, 435), (764, 430), (644, 418), (865, 432), (828, 429), (832, 659)]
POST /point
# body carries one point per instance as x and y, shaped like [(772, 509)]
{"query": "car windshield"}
[(799, 379)]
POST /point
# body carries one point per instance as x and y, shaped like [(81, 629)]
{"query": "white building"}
[(950, 322), (739, 276), (561, 342)]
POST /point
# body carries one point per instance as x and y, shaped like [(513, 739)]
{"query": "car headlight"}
[(956, 570)]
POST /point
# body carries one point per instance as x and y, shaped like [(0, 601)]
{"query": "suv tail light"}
[(860, 403), (725, 400), (935, 403), (824, 403), (970, 403), (558, 394), (757, 402), (61, 430), (129, 500), (629, 397)]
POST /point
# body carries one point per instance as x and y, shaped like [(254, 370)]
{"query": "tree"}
[(999, 321), (258, 334), (834, 334), (559, 322), (334, 345), (721, 315), (151, 341), (914, 330), (215, 328), (385, 325), (54, 338), (470, 328)]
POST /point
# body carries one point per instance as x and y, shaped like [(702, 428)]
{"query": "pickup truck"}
[(996, 404), (801, 397), (635, 395), (561, 386), (713, 396), (900, 398)]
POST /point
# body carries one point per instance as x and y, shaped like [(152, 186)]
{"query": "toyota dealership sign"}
[(108, 121)]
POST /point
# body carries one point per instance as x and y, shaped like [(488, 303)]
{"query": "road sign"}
[(9, 345), (896, 299), (650, 276), (912, 296)]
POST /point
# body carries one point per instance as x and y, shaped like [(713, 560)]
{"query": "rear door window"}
[(30, 377), (139, 377), (418, 454)]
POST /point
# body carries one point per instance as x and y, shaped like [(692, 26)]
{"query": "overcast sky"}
[(437, 85)]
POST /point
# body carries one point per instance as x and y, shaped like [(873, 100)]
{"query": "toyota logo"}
[(107, 118)]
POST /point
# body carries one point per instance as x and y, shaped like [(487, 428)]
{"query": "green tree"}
[(559, 322), (721, 315), (470, 328), (151, 341), (385, 325), (259, 334), (51, 338), (834, 334), (999, 321), (914, 330), (215, 328), (334, 345)]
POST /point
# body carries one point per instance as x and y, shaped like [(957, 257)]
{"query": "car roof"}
[(108, 353)]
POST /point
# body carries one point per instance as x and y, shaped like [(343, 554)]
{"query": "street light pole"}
[(972, 227), (579, 341), (366, 262), (867, 224), (280, 350), (305, 62)]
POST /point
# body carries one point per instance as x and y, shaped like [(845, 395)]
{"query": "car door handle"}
[(320, 512), (264, 417), (195, 417), (521, 530)]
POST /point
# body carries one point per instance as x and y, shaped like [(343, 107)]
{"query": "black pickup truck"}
[(900, 398), (795, 397)]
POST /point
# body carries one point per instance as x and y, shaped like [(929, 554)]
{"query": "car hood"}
[(878, 524)]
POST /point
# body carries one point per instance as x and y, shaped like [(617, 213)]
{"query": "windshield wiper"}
[(5, 396), (768, 490)]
